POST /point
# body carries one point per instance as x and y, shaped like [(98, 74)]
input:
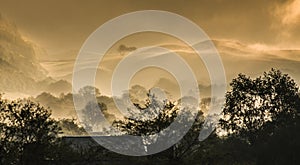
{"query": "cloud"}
[(262, 47), (289, 13), (49, 25), (285, 24), (125, 49)]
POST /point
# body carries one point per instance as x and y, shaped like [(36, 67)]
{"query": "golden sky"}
[(252, 36), (59, 26)]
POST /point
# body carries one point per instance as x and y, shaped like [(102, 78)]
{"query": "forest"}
[(259, 124)]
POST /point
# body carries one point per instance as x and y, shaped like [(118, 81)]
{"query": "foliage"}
[(71, 127), (255, 108), (156, 116), (92, 117), (261, 118), (259, 125), (139, 127), (27, 131)]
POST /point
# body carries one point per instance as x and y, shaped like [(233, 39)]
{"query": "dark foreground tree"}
[(262, 116), (156, 116), (27, 132), (255, 108)]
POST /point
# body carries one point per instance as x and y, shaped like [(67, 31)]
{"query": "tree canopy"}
[(256, 107), (261, 120), (26, 130), (156, 116)]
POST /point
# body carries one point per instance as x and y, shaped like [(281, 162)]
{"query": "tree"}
[(71, 127), (262, 116), (241, 115), (27, 131), (255, 108), (94, 111), (89, 91), (93, 118), (143, 126), (157, 115), (280, 93)]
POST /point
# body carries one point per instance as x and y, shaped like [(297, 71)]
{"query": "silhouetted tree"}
[(262, 117), (145, 126), (254, 108), (27, 132), (155, 116)]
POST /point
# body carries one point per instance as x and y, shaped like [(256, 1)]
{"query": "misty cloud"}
[(20, 69), (59, 26), (289, 12)]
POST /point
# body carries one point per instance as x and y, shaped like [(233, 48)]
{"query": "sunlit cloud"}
[(285, 24), (262, 47), (290, 13)]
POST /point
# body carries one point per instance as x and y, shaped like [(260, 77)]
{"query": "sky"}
[(60, 26), (260, 33), (39, 45)]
